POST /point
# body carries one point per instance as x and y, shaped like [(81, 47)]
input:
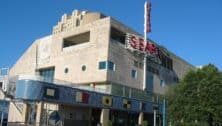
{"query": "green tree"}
[(197, 99)]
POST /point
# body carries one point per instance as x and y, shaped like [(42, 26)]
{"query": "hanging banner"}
[(137, 43)]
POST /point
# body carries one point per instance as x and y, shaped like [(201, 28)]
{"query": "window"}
[(66, 70), (1, 84), (166, 61), (106, 65), (70, 115), (77, 22), (143, 106), (134, 74), (47, 74), (102, 65), (117, 35), (111, 66), (83, 68), (149, 82), (161, 83), (76, 39)]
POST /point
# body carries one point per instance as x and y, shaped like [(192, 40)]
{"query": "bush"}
[(145, 123)]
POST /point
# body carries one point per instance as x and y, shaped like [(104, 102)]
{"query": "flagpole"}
[(145, 36), (147, 25), (141, 114)]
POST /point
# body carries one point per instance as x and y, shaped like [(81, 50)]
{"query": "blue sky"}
[(192, 29)]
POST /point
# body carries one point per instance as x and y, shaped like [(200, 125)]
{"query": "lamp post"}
[(2, 117), (164, 112), (155, 109)]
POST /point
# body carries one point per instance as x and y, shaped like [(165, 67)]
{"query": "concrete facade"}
[(73, 58), (49, 52)]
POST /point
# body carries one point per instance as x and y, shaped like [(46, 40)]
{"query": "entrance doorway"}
[(95, 117), (124, 118)]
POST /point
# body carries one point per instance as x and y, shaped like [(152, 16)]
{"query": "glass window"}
[(111, 66), (117, 35), (149, 82), (134, 74), (1, 84), (161, 83), (102, 65), (84, 68), (66, 70), (47, 74)]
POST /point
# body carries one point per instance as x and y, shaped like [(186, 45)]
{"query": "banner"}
[(126, 104), (147, 16), (107, 101), (82, 97)]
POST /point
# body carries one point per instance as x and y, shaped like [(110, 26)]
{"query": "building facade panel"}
[(43, 91)]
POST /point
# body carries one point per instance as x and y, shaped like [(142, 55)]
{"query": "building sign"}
[(137, 43)]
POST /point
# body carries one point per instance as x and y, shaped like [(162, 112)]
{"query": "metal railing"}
[(22, 124), (29, 124)]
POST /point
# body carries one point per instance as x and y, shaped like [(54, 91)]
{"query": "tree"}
[(197, 99)]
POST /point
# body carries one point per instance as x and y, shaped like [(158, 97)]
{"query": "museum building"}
[(84, 74)]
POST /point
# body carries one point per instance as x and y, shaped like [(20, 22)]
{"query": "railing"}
[(19, 106), (26, 124), (2, 94), (22, 124)]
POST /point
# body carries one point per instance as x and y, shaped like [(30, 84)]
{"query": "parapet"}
[(76, 19)]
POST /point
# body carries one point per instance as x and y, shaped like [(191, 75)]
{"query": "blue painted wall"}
[(35, 90)]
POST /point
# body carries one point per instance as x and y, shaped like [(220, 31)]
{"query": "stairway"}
[(15, 108)]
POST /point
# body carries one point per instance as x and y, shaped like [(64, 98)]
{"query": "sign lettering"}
[(137, 43)]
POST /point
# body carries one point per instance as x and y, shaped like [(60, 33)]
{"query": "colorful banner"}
[(126, 104), (142, 106), (82, 97), (107, 101)]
